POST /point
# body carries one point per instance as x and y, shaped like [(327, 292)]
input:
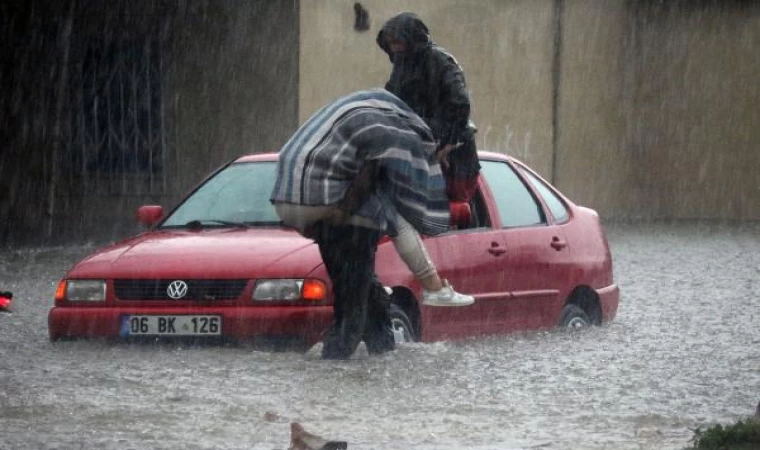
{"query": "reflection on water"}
[(682, 353)]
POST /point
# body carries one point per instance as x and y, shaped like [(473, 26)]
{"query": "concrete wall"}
[(694, 138), (659, 106), (656, 102), (231, 82), (593, 105), (504, 47)]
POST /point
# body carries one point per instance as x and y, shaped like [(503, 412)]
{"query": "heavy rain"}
[(645, 111)]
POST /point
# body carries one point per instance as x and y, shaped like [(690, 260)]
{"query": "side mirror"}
[(149, 215)]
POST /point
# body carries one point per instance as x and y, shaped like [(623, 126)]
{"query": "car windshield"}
[(236, 196)]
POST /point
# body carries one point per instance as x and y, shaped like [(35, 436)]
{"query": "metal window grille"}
[(117, 142)]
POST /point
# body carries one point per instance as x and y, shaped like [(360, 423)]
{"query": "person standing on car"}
[(357, 169), (429, 79)]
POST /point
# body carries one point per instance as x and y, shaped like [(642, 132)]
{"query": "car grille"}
[(196, 289)]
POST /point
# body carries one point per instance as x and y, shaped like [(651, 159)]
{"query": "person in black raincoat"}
[(429, 79)]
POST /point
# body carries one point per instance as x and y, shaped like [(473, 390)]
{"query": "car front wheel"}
[(403, 331), (573, 316)]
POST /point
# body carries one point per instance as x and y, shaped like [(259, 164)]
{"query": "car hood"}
[(208, 253)]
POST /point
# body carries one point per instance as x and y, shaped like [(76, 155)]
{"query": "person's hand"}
[(337, 216), (443, 154)]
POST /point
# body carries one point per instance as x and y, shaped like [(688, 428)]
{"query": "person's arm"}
[(454, 101)]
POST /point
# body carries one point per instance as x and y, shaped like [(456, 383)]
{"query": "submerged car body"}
[(221, 265)]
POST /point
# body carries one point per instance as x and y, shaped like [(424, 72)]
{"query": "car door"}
[(537, 255), (471, 260)]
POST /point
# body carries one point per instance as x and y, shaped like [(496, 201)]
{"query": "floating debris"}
[(5, 300), (273, 417), (300, 439)]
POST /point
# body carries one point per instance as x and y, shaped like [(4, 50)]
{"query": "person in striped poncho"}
[(361, 167)]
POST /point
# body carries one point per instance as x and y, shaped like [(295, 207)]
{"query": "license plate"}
[(184, 325)]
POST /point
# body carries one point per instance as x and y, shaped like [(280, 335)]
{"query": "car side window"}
[(517, 205), (555, 204)]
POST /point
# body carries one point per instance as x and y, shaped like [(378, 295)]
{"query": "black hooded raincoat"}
[(429, 79)]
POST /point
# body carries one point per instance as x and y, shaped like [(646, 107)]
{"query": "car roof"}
[(263, 157)]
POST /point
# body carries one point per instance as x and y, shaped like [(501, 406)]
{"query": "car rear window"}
[(555, 204)]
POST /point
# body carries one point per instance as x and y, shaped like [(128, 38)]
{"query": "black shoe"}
[(334, 346), (335, 352), (380, 342)]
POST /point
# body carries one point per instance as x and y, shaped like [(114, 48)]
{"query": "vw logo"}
[(177, 289)]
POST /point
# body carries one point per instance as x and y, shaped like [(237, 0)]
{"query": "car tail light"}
[(60, 292), (313, 290)]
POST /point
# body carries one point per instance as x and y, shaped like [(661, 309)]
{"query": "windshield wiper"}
[(195, 224)]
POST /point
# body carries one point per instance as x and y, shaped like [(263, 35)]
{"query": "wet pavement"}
[(684, 352)]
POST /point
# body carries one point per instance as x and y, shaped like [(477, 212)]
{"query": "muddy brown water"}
[(684, 352)]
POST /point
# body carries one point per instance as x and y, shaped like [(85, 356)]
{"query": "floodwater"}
[(684, 352)]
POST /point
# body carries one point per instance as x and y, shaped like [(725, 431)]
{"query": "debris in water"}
[(300, 439), (270, 416), (5, 300)]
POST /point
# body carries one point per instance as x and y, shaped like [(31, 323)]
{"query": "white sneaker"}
[(446, 296)]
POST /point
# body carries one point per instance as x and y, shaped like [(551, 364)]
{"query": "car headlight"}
[(85, 290), (289, 289)]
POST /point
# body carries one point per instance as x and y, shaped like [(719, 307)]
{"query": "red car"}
[(221, 265)]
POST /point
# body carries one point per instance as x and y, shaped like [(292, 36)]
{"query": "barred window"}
[(117, 122)]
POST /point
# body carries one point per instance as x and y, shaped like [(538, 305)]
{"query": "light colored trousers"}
[(408, 242)]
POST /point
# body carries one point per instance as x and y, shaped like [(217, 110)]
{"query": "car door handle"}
[(558, 244), (496, 250)]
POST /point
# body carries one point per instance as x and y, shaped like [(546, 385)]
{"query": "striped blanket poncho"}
[(317, 165)]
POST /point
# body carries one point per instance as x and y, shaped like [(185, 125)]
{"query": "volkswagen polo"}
[(221, 265)]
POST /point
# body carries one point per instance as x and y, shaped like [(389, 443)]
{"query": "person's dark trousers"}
[(361, 309), (378, 331)]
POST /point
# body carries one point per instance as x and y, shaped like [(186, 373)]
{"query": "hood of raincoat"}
[(406, 27)]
